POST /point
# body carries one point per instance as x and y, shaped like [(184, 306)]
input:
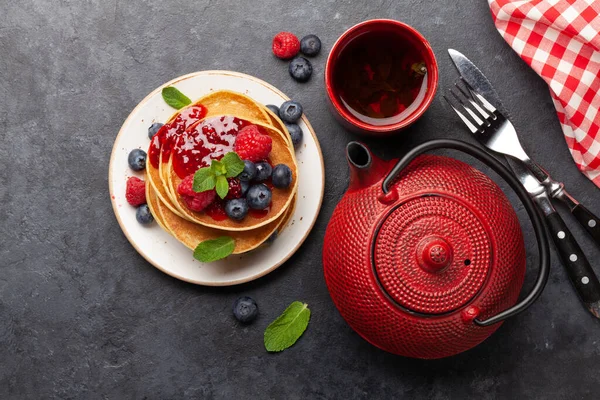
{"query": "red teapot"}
[(424, 257)]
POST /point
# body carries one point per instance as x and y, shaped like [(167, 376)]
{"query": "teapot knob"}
[(470, 313), (434, 254)]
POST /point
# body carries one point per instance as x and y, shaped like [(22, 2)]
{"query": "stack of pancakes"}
[(191, 227)]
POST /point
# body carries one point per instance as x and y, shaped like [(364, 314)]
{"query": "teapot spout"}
[(365, 169)]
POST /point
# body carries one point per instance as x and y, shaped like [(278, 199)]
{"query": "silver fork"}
[(496, 132)]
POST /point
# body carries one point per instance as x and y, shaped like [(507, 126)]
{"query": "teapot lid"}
[(432, 254)]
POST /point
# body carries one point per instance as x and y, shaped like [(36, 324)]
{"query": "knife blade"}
[(480, 84)]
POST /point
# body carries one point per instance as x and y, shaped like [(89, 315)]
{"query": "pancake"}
[(191, 234), (153, 204), (281, 198)]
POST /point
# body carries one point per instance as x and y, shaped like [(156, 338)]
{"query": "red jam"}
[(259, 213), (207, 140), (216, 211), (162, 141)]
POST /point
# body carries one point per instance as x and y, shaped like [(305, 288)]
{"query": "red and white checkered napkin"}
[(560, 40)]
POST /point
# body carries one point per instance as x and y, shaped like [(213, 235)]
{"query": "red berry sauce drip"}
[(204, 141), (216, 210), (259, 213), (163, 140)]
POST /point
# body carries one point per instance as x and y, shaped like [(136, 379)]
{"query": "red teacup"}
[(381, 75)]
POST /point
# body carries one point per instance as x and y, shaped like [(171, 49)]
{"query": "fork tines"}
[(475, 105)]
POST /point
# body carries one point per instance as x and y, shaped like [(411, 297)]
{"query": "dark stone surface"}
[(82, 315)]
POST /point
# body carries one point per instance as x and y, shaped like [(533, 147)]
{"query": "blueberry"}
[(245, 309), (272, 238), (259, 196), (263, 171), (137, 159), (273, 108), (237, 209), (143, 214), (310, 45), (295, 133), (290, 111), (282, 176), (249, 171), (300, 69), (153, 129), (245, 186)]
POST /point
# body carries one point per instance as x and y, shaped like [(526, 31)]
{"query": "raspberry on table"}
[(194, 200), (251, 144), (285, 45), (135, 191)]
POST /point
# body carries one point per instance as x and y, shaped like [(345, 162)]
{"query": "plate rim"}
[(148, 258)]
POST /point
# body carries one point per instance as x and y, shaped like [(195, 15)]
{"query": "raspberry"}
[(195, 201), (251, 144), (235, 189), (285, 45), (135, 191)]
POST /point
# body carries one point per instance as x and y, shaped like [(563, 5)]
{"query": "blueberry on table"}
[(310, 45), (249, 171), (153, 129), (143, 214), (245, 309), (137, 159), (259, 196), (290, 111), (282, 176), (236, 209), (295, 133), (300, 69), (273, 108), (263, 171)]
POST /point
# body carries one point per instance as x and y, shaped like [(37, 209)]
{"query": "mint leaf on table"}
[(214, 249), (204, 180), (222, 186), (233, 164), (287, 328), (175, 98)]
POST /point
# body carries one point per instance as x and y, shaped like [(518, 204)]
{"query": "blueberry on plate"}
[(263, 171), (245, 309), (249, 171), (290, 111), (143, 214), (273, 108), (236, 209), (300, 69), (245, 186), (272, 238), (137, 159), (259, 196), (153, 129), (282, 176), (310, 45), (295, 133)]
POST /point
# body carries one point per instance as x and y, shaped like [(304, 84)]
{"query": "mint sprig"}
[(215, 176), (214, 249), (287, 328), (173, 97)]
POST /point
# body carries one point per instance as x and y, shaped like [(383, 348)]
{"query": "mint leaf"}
[(217, 168), (233, 163), (222, 186), (175, 98), (204, 180), (214, 249), (287, 328)]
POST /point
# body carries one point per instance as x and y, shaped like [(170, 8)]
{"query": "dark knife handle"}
[(589, 221), (575, 262)]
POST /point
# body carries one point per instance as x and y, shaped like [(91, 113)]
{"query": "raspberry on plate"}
[(285, 45), (135, 191), (251, 144), (195, 201)]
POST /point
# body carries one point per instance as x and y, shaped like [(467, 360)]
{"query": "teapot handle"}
[(538, 225)]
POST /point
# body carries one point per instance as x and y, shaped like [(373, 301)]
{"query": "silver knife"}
[(478, 82), (578, 268)]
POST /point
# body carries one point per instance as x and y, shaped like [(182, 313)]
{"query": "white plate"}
[(165, 252)]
